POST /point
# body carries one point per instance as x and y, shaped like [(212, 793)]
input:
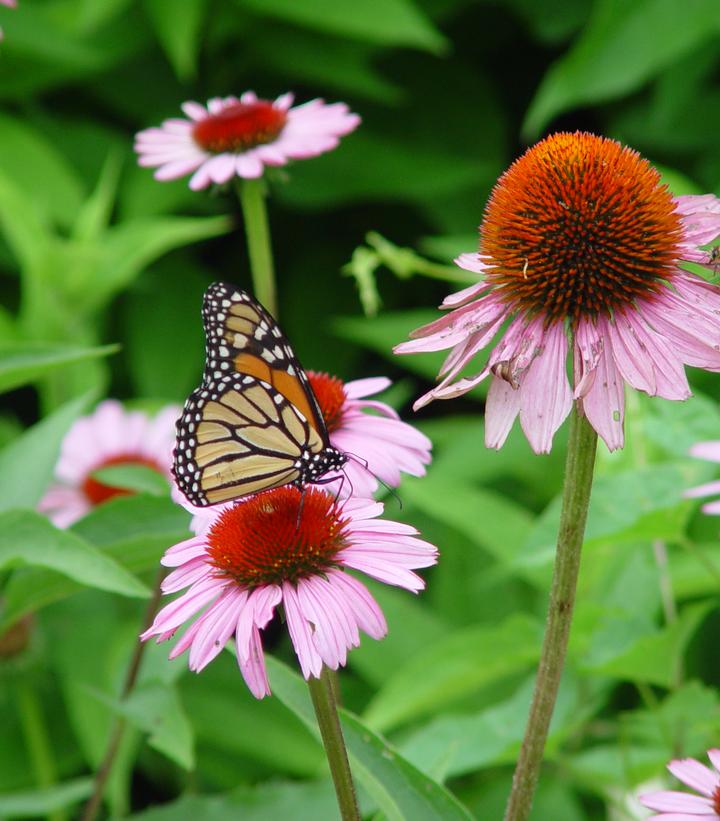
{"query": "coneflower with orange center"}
[(581, 248), (291, 548)]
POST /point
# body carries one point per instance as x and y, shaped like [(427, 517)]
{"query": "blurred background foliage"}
[(95, 253)]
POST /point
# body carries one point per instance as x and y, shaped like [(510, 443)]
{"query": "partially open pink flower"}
[(711, 452), (682, 806), (109, 436), (288, 547), (370, 431), (240, 136), (580, 252)]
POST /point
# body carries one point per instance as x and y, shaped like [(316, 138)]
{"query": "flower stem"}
[(257, 232), (579, 466), (36, 739), (322, 692), (102, 775)]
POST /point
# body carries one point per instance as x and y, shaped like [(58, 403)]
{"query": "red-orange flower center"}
[(579, 225), (278, 535), (239, 127), (330, 394), (716, 799), (97, 492)]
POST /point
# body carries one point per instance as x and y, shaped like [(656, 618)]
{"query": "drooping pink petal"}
[(695, 775)]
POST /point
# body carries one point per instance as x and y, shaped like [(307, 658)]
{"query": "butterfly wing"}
[(254, 423)]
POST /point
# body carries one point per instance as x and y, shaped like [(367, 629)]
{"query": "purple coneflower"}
[(682, 806), (580, 251), (290, 548), (109, 436), (240, 136)]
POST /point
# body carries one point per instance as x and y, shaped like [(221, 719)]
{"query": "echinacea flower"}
[(240, 136), (109, 436), (580, 251), (711, 452), (290, 548), (682, 806), (379, 437)]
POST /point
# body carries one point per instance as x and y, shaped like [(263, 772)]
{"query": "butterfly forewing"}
[(254, 423)]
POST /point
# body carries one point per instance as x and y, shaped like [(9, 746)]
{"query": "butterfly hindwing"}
[(254, 423)]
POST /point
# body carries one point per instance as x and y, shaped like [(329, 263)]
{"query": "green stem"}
[(322, 692), (257, 232), (573, 515), (102, 775), (36, 740)]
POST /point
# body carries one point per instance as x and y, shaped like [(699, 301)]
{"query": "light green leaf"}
[(387, 22), (401, 791), (28, 539), (156, 709), (657, 659), (138, 478), (266, 801), (25, 227), (25, 362), (623, 46), (177, 26), (45, 800), (34, 165), (380, 333), (455, 666), (28, 463)]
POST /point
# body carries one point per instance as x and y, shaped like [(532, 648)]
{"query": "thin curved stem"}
[(322, 691), (579, 467), (257, 232), (102, 775)]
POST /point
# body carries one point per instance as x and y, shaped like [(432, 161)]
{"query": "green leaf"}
[(400, 790), (387, 22), (623, 46), (456, 666), (126, 249), (156, 709), (33, 164), (635, 505), (177, 26), (28, 539), (45, 800), (24, 225), (25, 362), (27, 464), (380, 333), (657, 659), (138, 478), (133, 531), (267, 801)]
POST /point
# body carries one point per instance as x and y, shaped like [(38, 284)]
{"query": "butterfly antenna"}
[(364, 465)]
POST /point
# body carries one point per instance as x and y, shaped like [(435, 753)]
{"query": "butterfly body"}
[(254, 422)]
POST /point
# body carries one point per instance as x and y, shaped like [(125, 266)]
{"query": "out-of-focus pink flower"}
[(288, 547), (109, 436), (370, 431), (238, 137), (580, 252), (682, 806), (711, 452)]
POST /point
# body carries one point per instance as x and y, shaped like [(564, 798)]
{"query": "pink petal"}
[(501, 408), (300, 634), (672, 801), (706, 450), (359, 388), (695, 775)]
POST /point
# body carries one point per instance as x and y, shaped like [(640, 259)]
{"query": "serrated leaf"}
[(25, 362), (28, 539), (400, 790)]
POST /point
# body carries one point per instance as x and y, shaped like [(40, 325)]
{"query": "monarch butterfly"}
[(254, 423)]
